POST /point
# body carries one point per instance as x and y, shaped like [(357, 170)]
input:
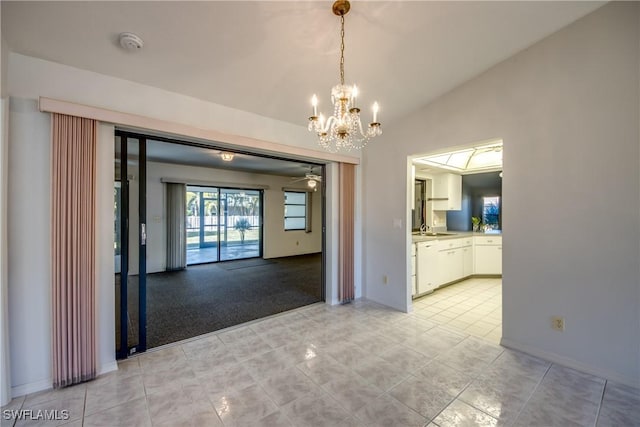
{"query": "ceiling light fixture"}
[(343, 130), (226, 156)]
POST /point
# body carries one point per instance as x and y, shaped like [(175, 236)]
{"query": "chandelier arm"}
[(329, 124)]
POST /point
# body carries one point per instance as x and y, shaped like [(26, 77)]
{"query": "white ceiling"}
[(165, 152), (269, 57)]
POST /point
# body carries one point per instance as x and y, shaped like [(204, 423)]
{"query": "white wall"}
[(31, 78), (29, 248), (567, 109), (277, 242), (5, 371), (5, 363)]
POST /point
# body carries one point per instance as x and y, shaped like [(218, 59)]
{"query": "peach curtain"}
[(346, 289), (73, 216)]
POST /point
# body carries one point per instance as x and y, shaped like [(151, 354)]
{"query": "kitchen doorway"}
[(456, 258)]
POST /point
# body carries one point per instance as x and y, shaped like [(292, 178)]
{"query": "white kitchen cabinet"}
[(414, 289), (447, 192), (426, 267), (449, 265), (455, 260), (488, 255), (467, 261)]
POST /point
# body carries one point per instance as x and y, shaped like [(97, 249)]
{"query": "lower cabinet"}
[(414, 289), (436, 263), (450, 265), (488, 255)]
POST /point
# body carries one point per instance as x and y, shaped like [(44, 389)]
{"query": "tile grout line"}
[(604, 389), (526, 402)]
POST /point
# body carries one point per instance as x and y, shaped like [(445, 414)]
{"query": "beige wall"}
[(277, 242)]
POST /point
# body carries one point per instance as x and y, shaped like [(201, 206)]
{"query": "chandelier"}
[(343, 130)]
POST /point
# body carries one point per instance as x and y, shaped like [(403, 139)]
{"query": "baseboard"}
[(108, 367), (34, 387), (570, 363)]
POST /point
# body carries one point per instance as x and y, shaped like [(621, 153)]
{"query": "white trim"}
[(34, 387), (108, 367), (570, 363), (149, 124), (24, 389)]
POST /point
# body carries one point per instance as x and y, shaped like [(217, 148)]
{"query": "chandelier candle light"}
[(343, 130)]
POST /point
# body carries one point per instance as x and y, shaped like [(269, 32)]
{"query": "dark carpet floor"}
[(206, 298)]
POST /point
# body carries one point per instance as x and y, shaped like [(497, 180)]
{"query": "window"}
[(491, 212), (295, 210)]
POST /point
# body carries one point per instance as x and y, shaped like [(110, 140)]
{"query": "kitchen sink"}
[(438, 234)]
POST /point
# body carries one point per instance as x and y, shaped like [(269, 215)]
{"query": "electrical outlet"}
[(557, 323), (385, 279)]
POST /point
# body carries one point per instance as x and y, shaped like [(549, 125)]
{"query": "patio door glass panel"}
[(240, 224), (202, 224)]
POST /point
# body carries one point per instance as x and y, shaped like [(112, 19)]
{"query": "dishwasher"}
[(426, 266)]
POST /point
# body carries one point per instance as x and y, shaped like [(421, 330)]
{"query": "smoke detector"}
[(130, 41)]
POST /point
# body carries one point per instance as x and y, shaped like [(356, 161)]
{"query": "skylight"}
[(481, 158)]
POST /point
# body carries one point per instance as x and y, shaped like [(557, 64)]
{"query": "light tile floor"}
[(355, 365), (473, 305)]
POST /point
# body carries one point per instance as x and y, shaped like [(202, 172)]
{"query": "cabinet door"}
[(488, 260), (456, 264), (444, 268), (467, 261), (455, 192), (447, 186)]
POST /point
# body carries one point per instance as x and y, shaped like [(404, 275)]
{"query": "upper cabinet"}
[(447, 192)]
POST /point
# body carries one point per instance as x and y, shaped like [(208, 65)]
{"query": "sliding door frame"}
[(125, 245)]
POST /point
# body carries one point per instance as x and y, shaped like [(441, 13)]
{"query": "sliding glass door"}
[(223, 224)]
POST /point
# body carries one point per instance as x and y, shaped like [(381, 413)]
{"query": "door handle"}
[(143, 234)]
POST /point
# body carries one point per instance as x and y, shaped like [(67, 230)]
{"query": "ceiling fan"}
[(311, 178)]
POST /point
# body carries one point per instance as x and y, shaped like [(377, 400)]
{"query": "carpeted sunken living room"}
[(209, 297)]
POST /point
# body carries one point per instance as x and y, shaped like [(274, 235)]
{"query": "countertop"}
[(451, 235)]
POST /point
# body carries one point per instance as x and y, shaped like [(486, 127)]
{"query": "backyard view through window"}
[(491, 212), (295, 210), (222, 224)]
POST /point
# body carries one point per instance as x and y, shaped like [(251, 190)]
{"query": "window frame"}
[(303, 216), (498, 204)]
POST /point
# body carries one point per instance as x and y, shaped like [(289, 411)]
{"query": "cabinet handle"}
[(489, 241), (499, 248)]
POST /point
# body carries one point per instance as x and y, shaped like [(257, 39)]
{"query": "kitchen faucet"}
[(423, 229)]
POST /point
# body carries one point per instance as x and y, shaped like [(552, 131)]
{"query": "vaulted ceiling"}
[(269, 57)]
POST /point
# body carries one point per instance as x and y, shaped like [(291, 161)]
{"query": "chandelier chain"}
[(342, 50)]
